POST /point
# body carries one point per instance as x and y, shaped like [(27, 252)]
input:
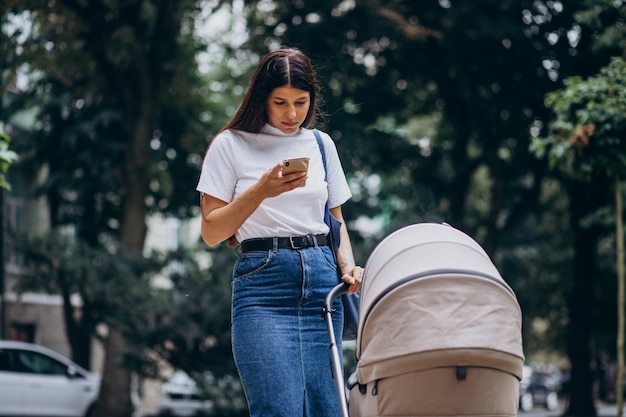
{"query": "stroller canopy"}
[(431, 297)]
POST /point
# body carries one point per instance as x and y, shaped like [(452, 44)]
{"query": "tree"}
[(450, 142), (104, 72), (588, 138), (7, 157), (438, 102)]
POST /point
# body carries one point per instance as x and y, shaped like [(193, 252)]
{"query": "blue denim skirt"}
[(279, 335)]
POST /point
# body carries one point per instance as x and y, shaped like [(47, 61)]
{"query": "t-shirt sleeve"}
[(338, 188), (218, 177)]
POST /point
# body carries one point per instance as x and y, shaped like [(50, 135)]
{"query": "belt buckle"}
[(293, 246)]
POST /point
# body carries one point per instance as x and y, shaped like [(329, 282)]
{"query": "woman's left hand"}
[(353, 277)]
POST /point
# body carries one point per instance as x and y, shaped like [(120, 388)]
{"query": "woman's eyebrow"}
[(302, 97)]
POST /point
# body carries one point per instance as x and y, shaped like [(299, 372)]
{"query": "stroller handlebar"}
[(337, 291)]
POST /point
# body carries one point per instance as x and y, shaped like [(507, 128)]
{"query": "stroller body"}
[(439, 329)]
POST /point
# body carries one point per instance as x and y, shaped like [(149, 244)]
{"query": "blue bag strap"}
[(350, 302), (318, 138)]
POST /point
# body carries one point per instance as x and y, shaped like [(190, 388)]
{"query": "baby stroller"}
[(439, 330)]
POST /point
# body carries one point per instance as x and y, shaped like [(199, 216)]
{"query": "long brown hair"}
[(284, 67)]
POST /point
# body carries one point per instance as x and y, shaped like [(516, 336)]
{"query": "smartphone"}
[(295, 165)]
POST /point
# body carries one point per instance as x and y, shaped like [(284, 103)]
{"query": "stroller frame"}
[(335, 358)]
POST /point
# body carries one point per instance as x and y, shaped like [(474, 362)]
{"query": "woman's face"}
[(287, 108)]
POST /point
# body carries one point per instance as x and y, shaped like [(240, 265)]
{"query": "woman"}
[(284, 268)]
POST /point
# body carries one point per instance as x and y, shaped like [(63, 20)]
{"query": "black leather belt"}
[(292, 242)]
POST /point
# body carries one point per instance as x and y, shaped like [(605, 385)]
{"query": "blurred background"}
[(503, 118)]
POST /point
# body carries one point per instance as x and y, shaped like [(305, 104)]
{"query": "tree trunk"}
[(116, 389), (138, 88), (115, 400), (619, 237), (78, 335), (580, 303)]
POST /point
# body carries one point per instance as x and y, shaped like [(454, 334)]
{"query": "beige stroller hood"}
[(439, 329)]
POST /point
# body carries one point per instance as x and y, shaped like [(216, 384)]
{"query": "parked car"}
[(36, 381), (181, 396), (539, 386)]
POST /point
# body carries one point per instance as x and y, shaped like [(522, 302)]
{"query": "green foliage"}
[(601, 15), (481, 112), (121, 119), (587, 143), (588, 133), (87, 102), (7, 157)]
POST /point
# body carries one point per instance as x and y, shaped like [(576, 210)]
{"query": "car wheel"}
[(526, 402), (552, 401)]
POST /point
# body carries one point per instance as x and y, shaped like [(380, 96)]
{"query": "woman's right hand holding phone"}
[(273, 182), (220, 220)]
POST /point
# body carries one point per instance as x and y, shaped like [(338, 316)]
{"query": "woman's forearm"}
[(220, 220)]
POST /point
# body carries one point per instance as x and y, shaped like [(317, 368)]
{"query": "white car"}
[(181, 396), (36, 381)]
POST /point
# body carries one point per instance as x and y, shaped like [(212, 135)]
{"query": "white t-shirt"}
[(236, 160)]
